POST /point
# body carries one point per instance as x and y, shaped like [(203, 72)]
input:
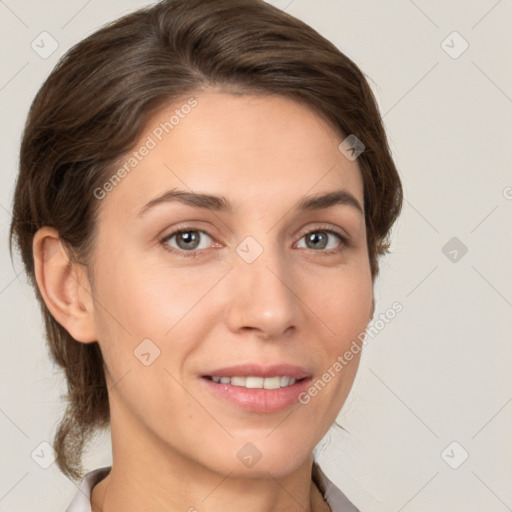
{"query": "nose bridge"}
[(263, 298)]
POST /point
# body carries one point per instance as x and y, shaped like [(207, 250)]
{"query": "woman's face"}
[(171, 309)]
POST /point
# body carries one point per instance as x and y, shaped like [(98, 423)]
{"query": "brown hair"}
[(96, 103)]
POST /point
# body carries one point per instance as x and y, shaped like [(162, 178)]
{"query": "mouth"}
[(255, 382), (258, 389)]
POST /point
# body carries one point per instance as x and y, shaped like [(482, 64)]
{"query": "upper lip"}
[(256, 370)]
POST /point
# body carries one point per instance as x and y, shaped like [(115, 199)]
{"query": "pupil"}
[(185, 236), (314, 236)]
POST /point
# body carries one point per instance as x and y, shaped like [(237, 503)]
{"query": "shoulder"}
[(81, 501), (336, 500)]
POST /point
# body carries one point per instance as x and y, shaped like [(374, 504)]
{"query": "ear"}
[(64, 285)]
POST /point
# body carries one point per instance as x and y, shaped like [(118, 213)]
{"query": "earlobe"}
[(63, 285)]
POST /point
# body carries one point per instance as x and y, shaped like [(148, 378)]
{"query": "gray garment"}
[(336, 500)]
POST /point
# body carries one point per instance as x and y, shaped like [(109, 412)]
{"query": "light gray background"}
[(440, 371)]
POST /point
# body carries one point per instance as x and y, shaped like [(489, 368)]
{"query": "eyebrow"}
[(221, 204)]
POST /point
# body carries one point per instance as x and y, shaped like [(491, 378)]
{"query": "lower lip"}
[(258, 399)]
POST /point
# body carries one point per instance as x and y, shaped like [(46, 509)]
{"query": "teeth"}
[(272, 383), (250, 382), (256, 382), (238, 381)]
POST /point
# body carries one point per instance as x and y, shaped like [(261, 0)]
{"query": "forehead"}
[(247, 148)]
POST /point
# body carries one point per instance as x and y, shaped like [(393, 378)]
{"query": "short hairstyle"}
[(98, 100)]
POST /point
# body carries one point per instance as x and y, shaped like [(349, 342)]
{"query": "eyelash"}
[(192, 254)]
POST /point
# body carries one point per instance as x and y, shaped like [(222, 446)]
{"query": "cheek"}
[(343, 301), (140, 298), (125, 312), (149, 302), (138, 307), (344, 305)]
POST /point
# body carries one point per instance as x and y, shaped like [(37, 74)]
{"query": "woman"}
[(205, 189)]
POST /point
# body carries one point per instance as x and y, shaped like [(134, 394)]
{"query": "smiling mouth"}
[(274, 389), (253, 382)]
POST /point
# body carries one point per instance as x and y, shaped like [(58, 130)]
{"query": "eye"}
[(191, 242), (187, 241), (318, 240)]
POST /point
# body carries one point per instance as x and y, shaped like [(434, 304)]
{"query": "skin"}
[(174, 444)]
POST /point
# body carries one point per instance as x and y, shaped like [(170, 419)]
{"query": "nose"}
[(262, 296)]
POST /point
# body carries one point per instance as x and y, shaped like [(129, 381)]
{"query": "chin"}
[(259, 459)]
